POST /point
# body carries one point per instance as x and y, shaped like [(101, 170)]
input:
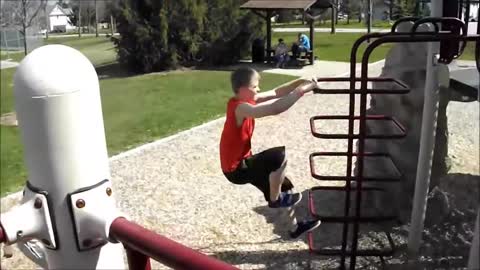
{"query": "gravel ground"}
[(176, 188)]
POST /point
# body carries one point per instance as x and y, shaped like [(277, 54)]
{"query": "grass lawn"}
[(15, 56), (99, 50), (469, 53), (336, 47), (136, 110)]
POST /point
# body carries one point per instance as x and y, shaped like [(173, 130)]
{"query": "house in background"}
[(58, 19)]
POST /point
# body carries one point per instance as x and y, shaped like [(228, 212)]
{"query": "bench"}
[(307, 57), (301, 60)]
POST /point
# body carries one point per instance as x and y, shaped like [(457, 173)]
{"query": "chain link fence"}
[(12, 40)]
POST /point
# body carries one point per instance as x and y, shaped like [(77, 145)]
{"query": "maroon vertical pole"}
[(3, 237), (136, 260)]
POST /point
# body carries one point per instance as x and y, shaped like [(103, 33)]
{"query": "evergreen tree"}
[(404, 8), (143, 42), (159, 35)]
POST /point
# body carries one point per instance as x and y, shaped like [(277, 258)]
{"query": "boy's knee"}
[(278, 157)]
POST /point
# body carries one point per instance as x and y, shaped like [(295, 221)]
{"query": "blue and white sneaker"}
[(305, 226), (285, 200)]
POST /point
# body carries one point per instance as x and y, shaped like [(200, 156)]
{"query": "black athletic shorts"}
[(256, 170)]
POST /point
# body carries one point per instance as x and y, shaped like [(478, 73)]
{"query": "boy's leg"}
[(267, 171), (276, 179)]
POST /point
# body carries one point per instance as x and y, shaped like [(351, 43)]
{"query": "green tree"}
[(229, 32), (159, 35), (404, 8), (143, 42), (285, 16)]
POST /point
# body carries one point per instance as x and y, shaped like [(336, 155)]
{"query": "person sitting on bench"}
[(281, 53), (303, 45)]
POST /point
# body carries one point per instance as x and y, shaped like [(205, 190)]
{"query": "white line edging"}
[(147, 146), (144, 147)]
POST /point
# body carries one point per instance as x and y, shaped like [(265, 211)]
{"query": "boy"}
[(265, 170)]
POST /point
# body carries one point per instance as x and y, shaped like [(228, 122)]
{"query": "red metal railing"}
[(3, 237), (142, 244)]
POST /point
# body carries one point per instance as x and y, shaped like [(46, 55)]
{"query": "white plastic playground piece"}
[(59, 113)]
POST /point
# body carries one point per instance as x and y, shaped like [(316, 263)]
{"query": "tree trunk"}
[(47, 21), (111, 24), (336, 11), (79, 19), (88, 19), (96, 19), (369, 15), (391, 9), (24, 25), (347, 10), (332, 31)]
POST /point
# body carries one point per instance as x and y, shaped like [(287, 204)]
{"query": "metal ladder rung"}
[(402, 88), (398, 126), (344, 219), (394, 177), (365, 252)]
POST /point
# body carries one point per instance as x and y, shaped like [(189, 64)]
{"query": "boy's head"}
[(280, 40), (245, 82)]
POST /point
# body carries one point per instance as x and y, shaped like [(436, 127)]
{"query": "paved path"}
[(320, 69), (7, 64), (83, 35), (327, 30)]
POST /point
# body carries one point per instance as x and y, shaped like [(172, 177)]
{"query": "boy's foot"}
[(305, 226), (286, 199)]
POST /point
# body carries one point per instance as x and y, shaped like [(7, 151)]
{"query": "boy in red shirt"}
[(264, 170)]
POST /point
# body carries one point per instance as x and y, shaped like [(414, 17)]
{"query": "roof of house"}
[(286, 4), (66, 11)]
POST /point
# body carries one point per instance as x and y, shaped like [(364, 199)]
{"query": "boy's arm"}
[(272, 108), (280, 91)]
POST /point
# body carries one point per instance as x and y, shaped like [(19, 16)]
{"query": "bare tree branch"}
[(37, 10)]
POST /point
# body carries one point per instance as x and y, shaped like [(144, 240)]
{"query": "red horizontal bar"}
[(403, 88), (398, 125), (162, 249)]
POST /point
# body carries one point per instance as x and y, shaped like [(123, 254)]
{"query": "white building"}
[(58, 19)]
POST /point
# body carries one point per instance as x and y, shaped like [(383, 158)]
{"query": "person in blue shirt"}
[(303, 45)]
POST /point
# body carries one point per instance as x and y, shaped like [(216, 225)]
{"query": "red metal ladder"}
[(347, 219)]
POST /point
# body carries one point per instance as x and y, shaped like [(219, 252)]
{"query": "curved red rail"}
[(172, 254)]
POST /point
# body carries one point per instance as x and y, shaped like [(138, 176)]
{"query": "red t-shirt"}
[(235, 143)]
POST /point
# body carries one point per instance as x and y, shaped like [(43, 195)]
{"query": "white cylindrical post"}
[(473, 259), (59, 112), (427, 142)]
